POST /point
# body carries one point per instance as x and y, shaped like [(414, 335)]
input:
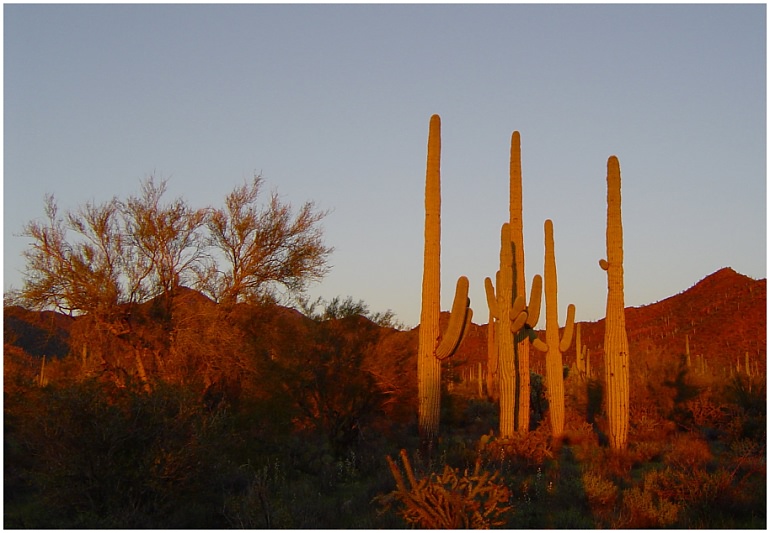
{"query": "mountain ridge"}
[(723, 315)]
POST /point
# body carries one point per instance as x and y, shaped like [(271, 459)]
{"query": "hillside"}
[(724, 316), (198, 415)]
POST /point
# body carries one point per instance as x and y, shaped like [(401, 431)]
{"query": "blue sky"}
[(332, 104)]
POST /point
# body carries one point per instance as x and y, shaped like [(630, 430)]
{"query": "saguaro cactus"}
[(616, 358), (512, 317), (553, 345), (517, 404), (581, 355), (433, 346), (492, 359), (516, 218)]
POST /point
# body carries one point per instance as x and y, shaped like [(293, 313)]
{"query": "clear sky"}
[(332, 104)]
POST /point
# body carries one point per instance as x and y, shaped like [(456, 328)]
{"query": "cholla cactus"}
[(473, 500), (433, 346), (553, 345), (616, 358)]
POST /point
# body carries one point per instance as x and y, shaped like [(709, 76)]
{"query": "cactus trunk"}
[(521, 348), (506, 366), (432, 348), (616, 358), (554, 346)]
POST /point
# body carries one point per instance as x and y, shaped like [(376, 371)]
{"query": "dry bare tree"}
[(167, 240), (264, 246), (94, 259)]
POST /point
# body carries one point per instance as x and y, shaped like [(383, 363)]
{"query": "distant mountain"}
[(724, 316), (37, 333)]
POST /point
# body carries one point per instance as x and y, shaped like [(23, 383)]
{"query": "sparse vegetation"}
[(303, 442), (179, 394)]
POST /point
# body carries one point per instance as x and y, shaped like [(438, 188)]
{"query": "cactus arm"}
[(458, 320), (539, 345), (518, 314), (566, 338), (535, 299), (491, 297)]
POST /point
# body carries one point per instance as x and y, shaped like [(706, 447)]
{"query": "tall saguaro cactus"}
[(512, 318), (515, 401), (616, 358), (516, 218), (553, 345), (433, 346)]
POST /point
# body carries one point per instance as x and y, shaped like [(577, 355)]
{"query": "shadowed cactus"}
[(615, 337), (553, 345), (433, 346), (492, 360)]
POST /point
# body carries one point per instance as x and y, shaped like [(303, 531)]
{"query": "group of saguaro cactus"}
[(511, 320), (508, 307)]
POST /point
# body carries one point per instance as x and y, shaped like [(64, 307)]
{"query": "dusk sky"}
[(331, 103)]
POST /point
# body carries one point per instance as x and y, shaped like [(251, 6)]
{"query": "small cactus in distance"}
[(42, 379), (582, 361)]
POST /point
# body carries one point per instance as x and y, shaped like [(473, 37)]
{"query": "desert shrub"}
[(110, 457), (642, 510), (601, 493), (747, 399), (649, 450), (688, 451), (328, 388), (582, 439), (527, 450)]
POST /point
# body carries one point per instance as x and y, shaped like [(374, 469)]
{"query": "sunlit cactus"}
[(554, 346), (433, 346), (512, 317), (516, 219), (616, 359), (515, 402)]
